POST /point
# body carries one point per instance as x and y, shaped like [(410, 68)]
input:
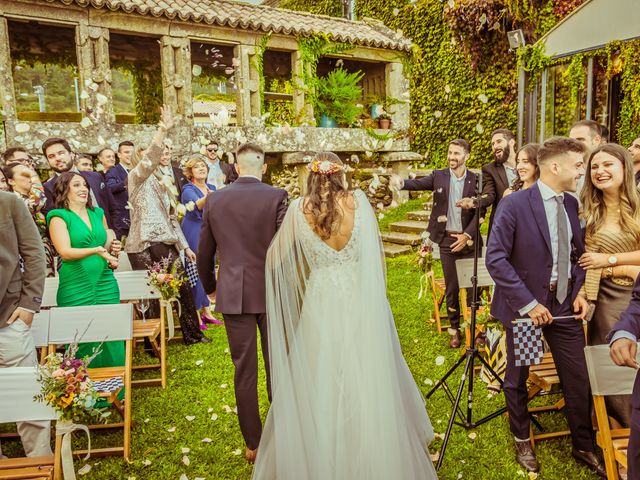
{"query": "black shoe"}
[(591, 460), (456, 340), (526, 457), (205, 340)]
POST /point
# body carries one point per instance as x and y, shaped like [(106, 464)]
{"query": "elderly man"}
[(21, 287)]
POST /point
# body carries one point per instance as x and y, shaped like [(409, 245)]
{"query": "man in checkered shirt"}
[(532, 256)]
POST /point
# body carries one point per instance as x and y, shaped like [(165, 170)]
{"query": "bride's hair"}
[(325, 185)]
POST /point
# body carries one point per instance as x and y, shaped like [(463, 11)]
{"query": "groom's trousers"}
[(243, 345)]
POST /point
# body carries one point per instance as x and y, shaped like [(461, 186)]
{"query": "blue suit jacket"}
[(98, 187), (519, 252), (117, 181), (630, 322), (439, 182)]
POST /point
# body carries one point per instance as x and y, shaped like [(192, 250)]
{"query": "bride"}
[(345, 404)]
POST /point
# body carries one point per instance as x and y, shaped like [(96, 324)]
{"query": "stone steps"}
[(419, 215), (392, 250), (408, 226), (402, 238)]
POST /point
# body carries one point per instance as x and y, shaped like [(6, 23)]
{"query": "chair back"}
[(134, 285), (40, 328), (605, 376), (50, 292), (19, 386), (91, 323), (464, 269)]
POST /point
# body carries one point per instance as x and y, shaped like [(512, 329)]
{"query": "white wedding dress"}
[(345, 406)]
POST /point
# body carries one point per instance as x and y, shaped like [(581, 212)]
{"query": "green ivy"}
[(147, 88), (629, 122), (258, 62)]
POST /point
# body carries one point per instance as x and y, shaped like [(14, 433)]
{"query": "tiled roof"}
[(256, 17)]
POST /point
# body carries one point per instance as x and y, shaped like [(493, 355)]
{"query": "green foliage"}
[(280, 111), (146, 80), (575, 76), (258, 62), (629, 123), (337, 95), (320, 7)]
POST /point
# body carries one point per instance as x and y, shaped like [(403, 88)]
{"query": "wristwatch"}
[(612, 260)]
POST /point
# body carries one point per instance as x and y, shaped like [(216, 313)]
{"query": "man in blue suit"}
[(58, 153), (623, 341), (532, 256), (452, 228), (118, 182)]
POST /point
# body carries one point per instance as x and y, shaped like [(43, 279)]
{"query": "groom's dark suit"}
[(240, 221), (519, 259)]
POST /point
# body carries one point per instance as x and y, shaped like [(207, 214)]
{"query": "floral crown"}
[(324, 167)]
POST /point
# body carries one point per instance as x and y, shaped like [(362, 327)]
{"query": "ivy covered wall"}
[(463, 79)]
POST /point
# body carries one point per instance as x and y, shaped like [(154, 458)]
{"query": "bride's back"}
[(341, 228)]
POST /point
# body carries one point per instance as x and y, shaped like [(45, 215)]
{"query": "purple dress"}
[(191, 224)]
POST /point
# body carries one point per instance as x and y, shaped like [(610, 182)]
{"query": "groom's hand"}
[(212, 297)]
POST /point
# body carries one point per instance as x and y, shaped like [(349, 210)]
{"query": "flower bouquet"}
[(424, 256), (66, 386), (164, 276)]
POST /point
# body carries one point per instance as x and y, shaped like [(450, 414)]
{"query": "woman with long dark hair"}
[(89, 252), (611, 211), (527, 168), (336, 362), (155, 233)]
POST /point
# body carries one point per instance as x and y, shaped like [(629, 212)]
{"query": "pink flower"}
[(59, 373), (161, 277)]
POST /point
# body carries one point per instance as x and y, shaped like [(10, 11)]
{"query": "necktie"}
[(563, 252)]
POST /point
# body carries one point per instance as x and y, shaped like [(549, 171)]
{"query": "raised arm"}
[(151, 159)]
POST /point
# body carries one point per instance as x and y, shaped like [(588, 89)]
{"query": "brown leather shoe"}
[(591, 460), (526, 457), (455, 340), (250, 455)]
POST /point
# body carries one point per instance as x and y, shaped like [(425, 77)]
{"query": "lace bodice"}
[(320, 254)]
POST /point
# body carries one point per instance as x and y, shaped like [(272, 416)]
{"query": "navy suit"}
[(630, 322), (99, 189), (117, 181), (519, 260), (439, 182)]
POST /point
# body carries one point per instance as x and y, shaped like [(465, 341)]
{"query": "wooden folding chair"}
[(436, 287), (464, 270), (19, 386), (607, 378), (134, 286), (40, 332), (97, 323)]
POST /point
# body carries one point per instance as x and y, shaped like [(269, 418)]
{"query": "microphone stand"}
[(470, 355)]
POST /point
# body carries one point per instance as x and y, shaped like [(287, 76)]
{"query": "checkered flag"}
[(110, 385), (527, 344), (192, 272)]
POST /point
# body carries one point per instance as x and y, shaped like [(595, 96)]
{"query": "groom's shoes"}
[(591, 460), (250, 455), (526, 457)]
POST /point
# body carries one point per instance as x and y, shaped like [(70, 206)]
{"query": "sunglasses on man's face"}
[(212, 149)]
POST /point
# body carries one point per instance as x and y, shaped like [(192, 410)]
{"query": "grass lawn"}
[(195, 412)]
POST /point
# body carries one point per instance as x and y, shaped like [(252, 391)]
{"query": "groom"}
[(239, 221)]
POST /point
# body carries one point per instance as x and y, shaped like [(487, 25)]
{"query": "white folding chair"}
[(607, 378), (464, 271), (97, 323), (134, 286), (40, 332), (19, 386), (50, 292)]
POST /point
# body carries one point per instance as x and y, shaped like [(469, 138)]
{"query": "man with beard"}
[(451, 227), (58, 153), (498, 175), (634, 149)]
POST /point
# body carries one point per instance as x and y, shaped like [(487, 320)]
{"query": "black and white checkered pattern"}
[(527, 344), (109, 385), (192, 272)]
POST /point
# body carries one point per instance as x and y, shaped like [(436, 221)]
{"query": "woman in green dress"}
[(89, 252)]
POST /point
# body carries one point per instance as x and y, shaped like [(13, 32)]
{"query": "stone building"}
[(176, 40)]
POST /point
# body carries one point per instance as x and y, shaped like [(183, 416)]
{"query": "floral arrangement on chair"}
[(66, 386), (164, 276), (424, 256)]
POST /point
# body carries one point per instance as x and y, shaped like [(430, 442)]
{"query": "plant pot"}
[(385, 123), (327, 122)]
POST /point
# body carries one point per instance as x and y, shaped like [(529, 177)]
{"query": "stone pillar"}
[(399, 162), (7, 93), (92, 49), (300, 160), (396, 86), (176, 76), (248, 85), (302, 108)]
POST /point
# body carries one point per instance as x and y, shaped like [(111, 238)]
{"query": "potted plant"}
[(384, 120), (337, 96)]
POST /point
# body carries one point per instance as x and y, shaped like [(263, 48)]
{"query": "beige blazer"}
[(19, 237)]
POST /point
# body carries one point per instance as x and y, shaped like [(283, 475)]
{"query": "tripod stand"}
[(470, 355)]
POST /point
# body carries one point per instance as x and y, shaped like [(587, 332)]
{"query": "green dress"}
[(89, 281)]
